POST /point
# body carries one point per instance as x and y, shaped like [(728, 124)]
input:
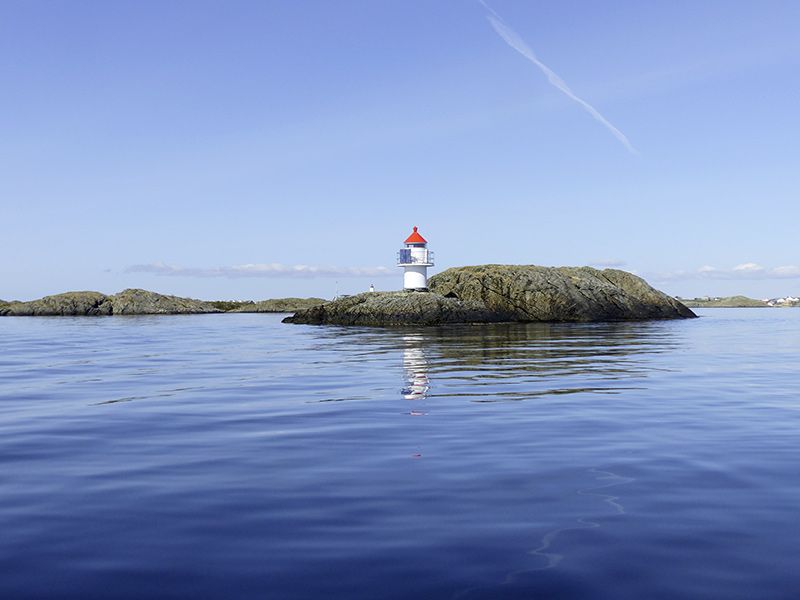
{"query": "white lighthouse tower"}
[(415, 258)]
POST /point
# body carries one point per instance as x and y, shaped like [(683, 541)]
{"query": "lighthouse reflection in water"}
[(416, 366)]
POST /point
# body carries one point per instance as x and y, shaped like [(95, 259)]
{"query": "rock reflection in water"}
[(514, 361), (497, 362)]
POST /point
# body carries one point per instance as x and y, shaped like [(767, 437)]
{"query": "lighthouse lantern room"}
[(415, 258)]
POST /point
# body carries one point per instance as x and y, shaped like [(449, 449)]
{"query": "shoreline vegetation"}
[(144, 302)]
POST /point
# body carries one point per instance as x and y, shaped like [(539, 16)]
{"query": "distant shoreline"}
[(740, 302)]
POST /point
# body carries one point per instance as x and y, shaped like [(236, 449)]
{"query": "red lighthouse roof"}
[(415, 238)]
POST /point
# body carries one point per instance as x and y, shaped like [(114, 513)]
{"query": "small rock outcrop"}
[(127, 302), (278, 305), (66, 304), (580, 294), (143, 302), (397, 308)]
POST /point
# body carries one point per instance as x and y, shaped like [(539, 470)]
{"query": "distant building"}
[(786, 301)]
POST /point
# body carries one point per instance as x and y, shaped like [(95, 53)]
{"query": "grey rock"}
[(397, 308), (532, 293)]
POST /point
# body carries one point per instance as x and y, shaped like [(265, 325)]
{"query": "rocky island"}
[(142, 302), (493, 293)]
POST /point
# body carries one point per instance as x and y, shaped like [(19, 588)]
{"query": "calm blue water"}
[(230, 456)]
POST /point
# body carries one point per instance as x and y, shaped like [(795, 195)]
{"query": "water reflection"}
[(417, 384), (415, 366)]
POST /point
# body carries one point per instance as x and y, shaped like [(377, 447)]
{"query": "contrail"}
[(512, 38)]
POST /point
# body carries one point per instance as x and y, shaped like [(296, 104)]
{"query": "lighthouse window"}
[(405, 255)]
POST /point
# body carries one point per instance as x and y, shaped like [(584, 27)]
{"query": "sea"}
[(232, 456)]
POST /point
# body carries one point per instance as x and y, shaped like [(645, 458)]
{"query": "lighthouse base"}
[(415, 278)]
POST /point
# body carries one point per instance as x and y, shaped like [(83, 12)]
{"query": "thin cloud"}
[(787, 272), (259, 270), (610, 263), (513, 39), (744, 271), (748, 268)]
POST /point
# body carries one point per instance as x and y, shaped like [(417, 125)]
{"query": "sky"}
[(250, 150)]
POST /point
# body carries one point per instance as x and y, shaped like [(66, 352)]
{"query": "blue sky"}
[(166, 145)]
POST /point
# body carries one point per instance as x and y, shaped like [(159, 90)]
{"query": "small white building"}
[(415, 258)]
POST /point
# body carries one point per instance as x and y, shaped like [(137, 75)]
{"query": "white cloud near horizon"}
[(744, 271), (513, 39), (260, 270)]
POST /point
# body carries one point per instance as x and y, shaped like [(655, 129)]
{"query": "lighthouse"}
[(415, 258)]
